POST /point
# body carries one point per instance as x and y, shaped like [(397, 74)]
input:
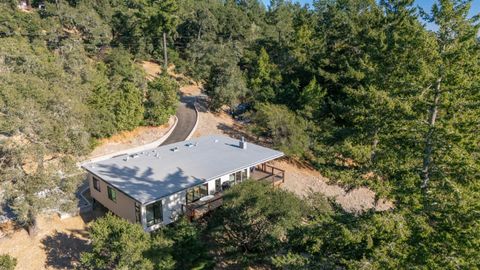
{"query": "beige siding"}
[(124, 206)]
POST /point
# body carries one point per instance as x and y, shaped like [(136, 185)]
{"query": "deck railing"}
[(274, 174), (199, 208)]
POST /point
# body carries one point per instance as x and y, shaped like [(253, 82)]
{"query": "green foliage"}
[(286, 130), (254, 217), (335, 239), (226, 86), (120, 67), (357, 87), (129, 107), (265, 81), (188, 250), (312, 99), (7, 262), (139, 25), (162, 99), (101, 103), (160, 252), (116, 243)]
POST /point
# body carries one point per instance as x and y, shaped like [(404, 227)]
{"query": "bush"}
[(7, 262)]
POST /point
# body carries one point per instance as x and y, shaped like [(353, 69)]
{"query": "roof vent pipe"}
[(243, 143)]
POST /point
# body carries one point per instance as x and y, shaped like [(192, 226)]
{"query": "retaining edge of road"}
[(135, 149), (196, 122)]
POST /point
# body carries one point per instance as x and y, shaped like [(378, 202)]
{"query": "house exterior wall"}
[(173, 204), (124, 206)]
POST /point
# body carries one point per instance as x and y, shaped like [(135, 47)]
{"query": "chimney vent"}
[(243, 143)]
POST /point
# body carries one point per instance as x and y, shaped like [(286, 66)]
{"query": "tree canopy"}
[(359, 89)]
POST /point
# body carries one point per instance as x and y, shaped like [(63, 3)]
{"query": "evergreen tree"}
[(101, 106), (251, 220), (225, 86), (129, 107), (448, 208), (162, 99), (116, 243), (265, 80), (284, 128)]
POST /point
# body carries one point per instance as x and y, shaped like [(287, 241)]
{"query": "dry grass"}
[(57, 244), (128, 139)]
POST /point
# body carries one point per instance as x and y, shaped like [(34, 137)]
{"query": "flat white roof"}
[(158, 172)]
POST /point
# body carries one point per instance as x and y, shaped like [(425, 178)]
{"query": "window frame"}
[(96, 184), (195, 193), (112, 194), (157, 213), (138, 212), (218, 185)]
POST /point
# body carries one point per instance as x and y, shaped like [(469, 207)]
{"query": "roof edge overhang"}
[(279, 155)]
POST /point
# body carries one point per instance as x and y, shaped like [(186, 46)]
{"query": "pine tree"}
[(449, 212), (129, 107), (265, 79), (162, 99)]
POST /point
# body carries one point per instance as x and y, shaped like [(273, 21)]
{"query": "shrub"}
[(7, 262)]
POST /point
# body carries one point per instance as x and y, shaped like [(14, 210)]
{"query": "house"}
[(156, 186)]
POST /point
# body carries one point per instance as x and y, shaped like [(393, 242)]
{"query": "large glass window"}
[(197, 192), (112, 194), (96, 183), (244, 175), (154, 213), (238, 177)]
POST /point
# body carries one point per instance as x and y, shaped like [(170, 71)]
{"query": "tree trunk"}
[(199, 34), (427, 155), (374, 145), (165, 59), (32, 224)]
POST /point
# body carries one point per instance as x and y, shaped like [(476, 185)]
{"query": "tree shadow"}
[(63, 249), (237, 132)]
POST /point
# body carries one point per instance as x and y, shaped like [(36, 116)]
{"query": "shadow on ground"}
[(63, 249), (237, 132)]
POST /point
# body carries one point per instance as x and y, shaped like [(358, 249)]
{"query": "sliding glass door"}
[(197, 192)]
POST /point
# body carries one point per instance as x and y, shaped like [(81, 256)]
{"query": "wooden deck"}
[(199, 209), (262, 172), (268, 173)]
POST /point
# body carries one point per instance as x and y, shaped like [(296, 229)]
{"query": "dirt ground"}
[(128, 139), (57, 245)]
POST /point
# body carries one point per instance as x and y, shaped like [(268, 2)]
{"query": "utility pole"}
[(165, 59)]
